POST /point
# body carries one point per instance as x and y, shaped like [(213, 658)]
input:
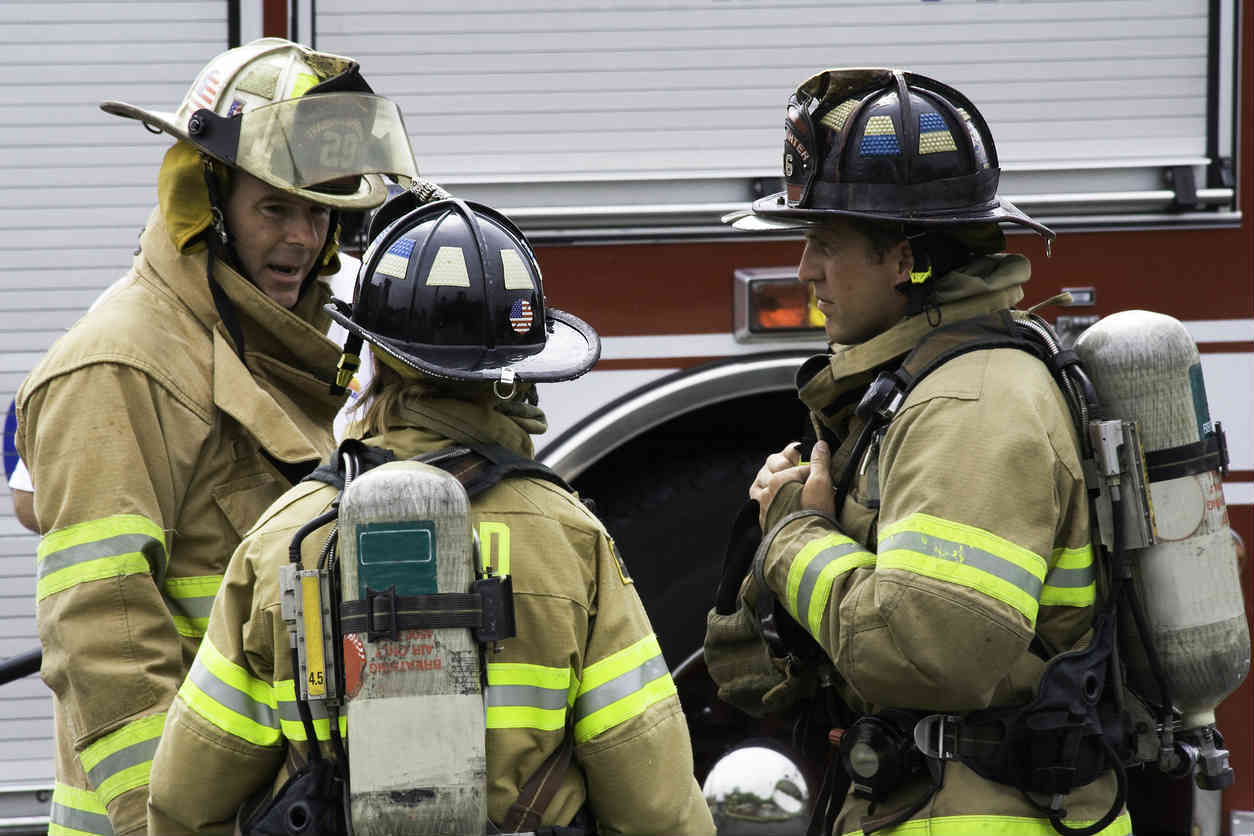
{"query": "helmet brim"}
[(773, 214), (571, 348), (371, 191)]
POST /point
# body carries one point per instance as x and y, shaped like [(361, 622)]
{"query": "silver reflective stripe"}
[(80, 820), (942, 549), (83, 552), (528, 695), (1071, 578), (810, 577), (231, 697), (190, 607), (132, 755), (289, 710), (620, 686)]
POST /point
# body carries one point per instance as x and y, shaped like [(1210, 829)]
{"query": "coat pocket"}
[(242, 500)]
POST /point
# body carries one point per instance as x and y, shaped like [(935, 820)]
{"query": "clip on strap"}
[(936, 736)]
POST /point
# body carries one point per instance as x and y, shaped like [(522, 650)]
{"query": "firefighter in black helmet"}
[(582, 718), (935, 550)]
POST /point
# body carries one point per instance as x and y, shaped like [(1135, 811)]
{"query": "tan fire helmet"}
[(302, 121)]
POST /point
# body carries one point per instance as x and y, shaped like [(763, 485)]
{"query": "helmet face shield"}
[(313, 141)]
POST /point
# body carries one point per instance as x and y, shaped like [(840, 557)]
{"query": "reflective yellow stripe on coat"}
[(620, 687), (967, 556), (77, 812), (995, 826), (1072, 580), (122, 760), (525, 696), (190, 600), (812, 573), (125, 544)]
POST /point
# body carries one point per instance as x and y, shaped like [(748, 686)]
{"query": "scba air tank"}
[(415, 702), (1145, 367)]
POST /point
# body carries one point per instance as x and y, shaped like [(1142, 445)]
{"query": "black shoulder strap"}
[(481, 466), (368, 456)]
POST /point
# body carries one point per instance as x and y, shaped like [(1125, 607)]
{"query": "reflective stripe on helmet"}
[(230, 698), (620, 687), (125, 544), (76, 812), (525, 696), (967, 556), (122, 760), (190, 600)]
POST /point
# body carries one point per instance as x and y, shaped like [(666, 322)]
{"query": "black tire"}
[(668, 498)]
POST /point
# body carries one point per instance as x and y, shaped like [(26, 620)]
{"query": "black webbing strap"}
[(1211, 453), (380, 614)]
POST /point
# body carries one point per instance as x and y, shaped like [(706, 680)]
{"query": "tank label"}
[(397, 553), (1200, 408)]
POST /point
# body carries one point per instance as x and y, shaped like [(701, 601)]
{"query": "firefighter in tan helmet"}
[(579, 720), (171, 415), (934, 552)]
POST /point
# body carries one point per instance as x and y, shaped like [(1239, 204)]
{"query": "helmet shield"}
[(317, 141), (453, 290), (884, 145)]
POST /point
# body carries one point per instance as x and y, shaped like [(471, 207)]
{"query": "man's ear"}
[(902, 257)]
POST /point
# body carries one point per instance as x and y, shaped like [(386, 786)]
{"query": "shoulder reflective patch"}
[(126, 544), (622, 564), (122, 760), (76, 812), (525, 696), (230, 698), (1072, 579), (620, 687), (517, 276), (448, 268), (494, 547), (967, 556), (395, 262), (190, 601), (812, 573)]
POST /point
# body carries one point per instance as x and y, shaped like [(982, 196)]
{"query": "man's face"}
[(277, 236), (854, 288)]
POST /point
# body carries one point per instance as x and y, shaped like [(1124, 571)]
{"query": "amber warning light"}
[(778, 305)]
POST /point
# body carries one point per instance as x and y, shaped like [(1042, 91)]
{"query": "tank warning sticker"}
[(1200, 407)]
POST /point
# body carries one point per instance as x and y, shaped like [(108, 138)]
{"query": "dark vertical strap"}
[(534, 797)]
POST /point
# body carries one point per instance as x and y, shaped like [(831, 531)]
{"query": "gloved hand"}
[(741, 665)]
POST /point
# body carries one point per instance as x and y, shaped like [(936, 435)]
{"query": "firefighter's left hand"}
[(778, 470)]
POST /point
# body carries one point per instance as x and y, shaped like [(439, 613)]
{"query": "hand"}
[(817, 494), (778, 470)]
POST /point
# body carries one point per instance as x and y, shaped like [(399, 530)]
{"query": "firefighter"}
[(452, 307), (940, 560), (172, 414)]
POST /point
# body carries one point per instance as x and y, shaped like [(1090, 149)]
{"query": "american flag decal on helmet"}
[(207, 92), (520, 316)]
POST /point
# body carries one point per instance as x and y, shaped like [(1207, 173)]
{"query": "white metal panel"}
[(499, 91), (76, 186)]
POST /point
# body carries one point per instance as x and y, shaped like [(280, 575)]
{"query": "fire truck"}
[(618, 135)]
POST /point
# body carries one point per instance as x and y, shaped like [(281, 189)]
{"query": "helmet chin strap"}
[(220, 249), (920, 291)]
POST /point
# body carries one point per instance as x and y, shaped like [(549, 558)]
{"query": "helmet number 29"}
[(338, 151)]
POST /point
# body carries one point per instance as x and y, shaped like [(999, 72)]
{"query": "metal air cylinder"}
[(1145, 367), (415, 704)]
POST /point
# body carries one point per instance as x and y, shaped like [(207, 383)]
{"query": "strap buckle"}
[(385, 615), (882, 399), (936, 736)]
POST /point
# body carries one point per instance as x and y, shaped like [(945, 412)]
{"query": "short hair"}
[(880, 236)]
